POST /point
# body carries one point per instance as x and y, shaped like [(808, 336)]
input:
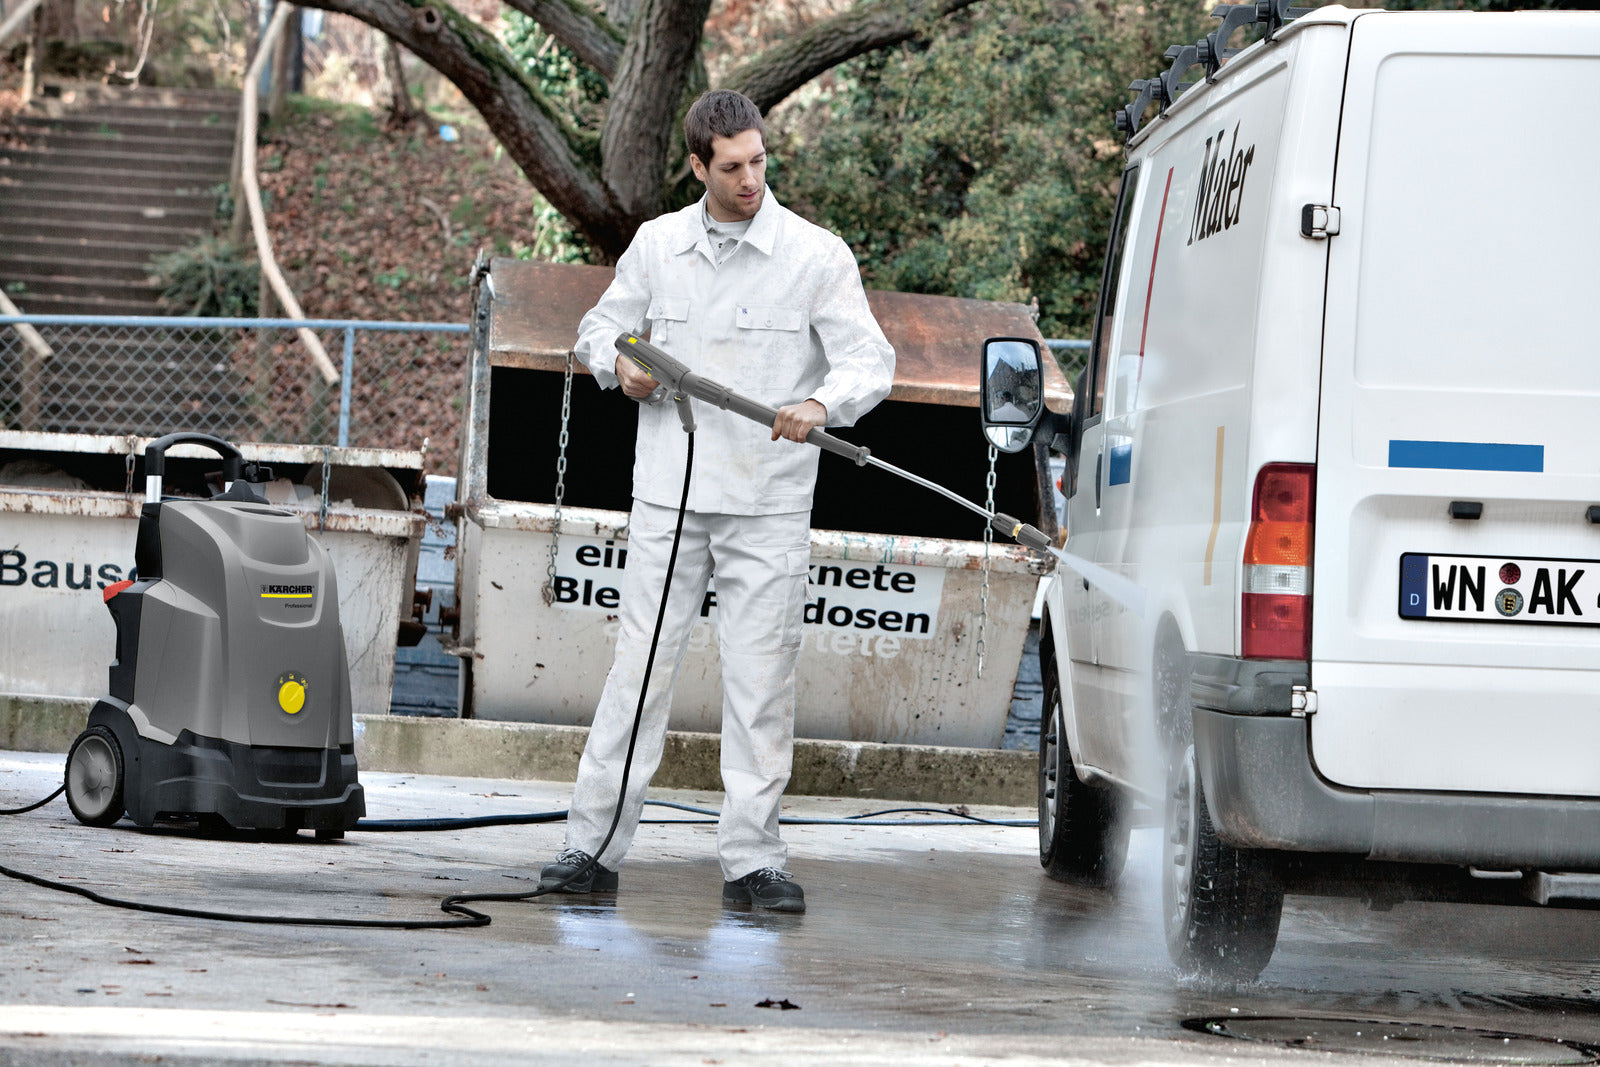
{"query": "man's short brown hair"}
[(720, 113)]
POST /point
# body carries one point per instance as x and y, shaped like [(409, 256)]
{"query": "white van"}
[(1340, 428)]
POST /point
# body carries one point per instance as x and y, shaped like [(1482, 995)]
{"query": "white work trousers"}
[(760, 563)]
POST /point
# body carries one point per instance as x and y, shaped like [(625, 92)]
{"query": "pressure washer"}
[(235, 705), (229, 692)]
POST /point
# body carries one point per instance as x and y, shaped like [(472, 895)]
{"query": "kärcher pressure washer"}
[(230, 692)]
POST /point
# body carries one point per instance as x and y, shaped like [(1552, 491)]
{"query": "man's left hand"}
[(797, 420)]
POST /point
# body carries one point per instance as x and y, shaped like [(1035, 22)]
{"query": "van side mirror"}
[(1012, 391), (1012, 399)]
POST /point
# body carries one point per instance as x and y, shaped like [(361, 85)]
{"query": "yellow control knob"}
[(292, 695)]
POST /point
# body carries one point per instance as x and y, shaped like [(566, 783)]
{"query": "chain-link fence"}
[(1071, 357), (243, 379)]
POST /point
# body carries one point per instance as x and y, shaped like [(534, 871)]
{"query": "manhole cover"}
[(1456, 1044)]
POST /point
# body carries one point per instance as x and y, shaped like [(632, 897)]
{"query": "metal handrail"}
[(17, 18), (245, 150)]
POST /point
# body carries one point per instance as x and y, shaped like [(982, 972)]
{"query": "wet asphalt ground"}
[(922, 945)]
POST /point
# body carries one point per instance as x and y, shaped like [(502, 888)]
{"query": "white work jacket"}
[(782, 319)]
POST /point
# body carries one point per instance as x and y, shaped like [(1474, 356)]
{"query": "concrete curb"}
[(41, 724), (480, 749)]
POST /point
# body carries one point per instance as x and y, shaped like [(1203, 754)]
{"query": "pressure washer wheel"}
[(94, 777)]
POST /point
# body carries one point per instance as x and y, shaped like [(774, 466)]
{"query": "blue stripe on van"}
[(1466, 456), (1121, 472)]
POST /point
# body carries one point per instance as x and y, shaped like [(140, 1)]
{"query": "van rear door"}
[(1456, 612)]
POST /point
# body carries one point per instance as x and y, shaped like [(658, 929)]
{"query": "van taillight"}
[(1276, 598)]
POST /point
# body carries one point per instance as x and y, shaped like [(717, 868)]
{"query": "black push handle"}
[(155, 454)]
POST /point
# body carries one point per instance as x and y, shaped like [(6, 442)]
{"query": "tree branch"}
[(590, 35), (557, 158), (621, 12), (663, 47), (770, 77)]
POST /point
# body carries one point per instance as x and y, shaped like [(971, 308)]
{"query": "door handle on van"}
[(1319, 221), (1098, 460)]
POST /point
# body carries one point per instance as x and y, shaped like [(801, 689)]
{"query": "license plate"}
[(1528, 589)]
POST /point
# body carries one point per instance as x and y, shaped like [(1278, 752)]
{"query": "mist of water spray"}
[(1129, 594)]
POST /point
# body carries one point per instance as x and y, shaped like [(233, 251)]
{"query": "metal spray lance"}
[(681, 383)]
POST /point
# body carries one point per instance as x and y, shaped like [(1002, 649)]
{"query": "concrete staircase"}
[(102, 184), (104, 181)]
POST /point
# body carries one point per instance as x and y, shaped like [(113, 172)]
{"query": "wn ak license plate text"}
[(1524, 589)]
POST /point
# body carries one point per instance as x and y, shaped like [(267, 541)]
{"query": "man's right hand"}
[(635, 382)]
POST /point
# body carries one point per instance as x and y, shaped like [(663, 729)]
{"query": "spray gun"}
[(682, 383)]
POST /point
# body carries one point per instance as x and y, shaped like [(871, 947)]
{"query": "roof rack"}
[(1210, 52)]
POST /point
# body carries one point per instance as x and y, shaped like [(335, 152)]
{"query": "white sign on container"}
[(851, 608)]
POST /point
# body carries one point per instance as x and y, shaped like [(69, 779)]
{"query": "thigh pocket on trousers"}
[(799, 564)]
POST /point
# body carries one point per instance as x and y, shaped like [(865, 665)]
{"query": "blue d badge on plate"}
[(1413, 586)]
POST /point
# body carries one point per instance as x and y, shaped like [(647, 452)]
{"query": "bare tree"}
[(649, 52)]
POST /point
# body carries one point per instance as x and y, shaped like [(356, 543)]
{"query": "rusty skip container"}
[(896, 600), (69, 512)]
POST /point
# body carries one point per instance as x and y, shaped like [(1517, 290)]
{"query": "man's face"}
[(735, 176)]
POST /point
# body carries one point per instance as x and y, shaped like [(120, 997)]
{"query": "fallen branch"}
[(438, 213)]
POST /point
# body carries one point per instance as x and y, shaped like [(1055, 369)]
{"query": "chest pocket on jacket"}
[(667, 315), (777, 334), (768, 317)]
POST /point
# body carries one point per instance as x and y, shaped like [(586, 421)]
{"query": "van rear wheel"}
[(1220, 905), (1083, 836)]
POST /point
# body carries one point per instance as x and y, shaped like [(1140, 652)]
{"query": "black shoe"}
[(767, 888), (596, 879)]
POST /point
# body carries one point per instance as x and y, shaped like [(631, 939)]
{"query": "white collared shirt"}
[(783, 318)]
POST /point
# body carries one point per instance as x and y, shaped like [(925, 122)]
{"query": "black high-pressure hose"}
[(947, 817), (35, 805)]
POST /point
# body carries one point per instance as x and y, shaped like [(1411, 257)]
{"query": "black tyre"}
[(1220, 905), (95, 777), (1083, 835)]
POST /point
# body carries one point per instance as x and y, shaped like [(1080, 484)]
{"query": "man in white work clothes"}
[(746, 293)]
